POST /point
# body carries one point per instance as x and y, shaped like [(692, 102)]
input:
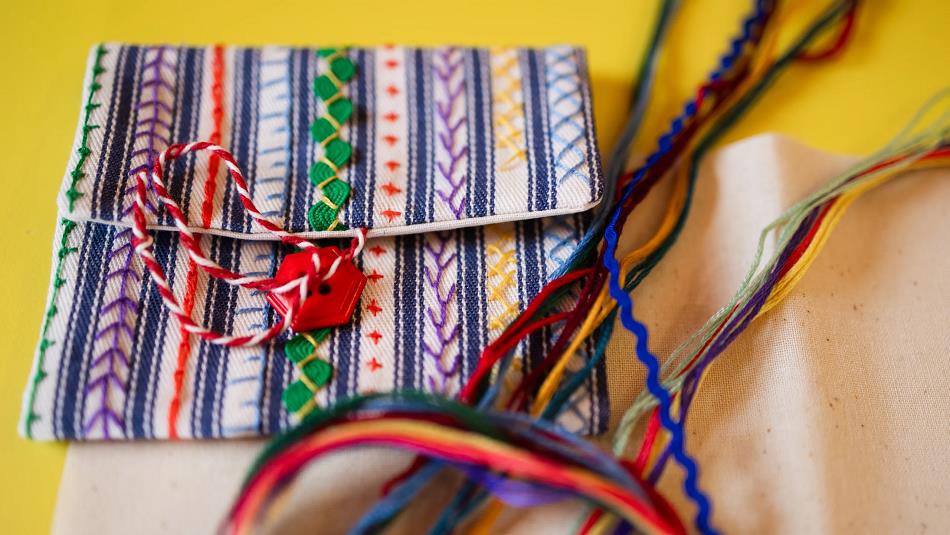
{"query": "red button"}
[(329, 302)]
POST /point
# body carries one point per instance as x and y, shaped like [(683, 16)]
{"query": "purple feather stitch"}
[(120, 310), (446, 65), (446, 328)]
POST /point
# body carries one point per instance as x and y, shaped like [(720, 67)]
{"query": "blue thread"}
[(625, 303)]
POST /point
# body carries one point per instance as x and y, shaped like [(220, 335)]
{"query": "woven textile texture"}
[(442, 137), (828, 415), (472, 168)]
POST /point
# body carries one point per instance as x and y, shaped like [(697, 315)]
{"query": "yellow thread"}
[(336, 96), (333, 225), (329, 203), (329, 163), (307, 360), (306, 409), (333, 79), (338, 53), (310, 384), (331, 137), (503, 269), (508, 108), (327, 181), (332, 120)]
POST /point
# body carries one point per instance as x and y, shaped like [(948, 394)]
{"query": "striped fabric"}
[(458, 152), (442, 138)]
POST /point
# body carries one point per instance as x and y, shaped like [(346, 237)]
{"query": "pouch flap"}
[(420, 139)]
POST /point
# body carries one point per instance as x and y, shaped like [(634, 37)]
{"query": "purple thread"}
[(440, 317), (114, 356), (733, 328), (443, 110)]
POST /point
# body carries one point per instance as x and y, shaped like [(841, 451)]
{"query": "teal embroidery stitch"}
[(72, 194)]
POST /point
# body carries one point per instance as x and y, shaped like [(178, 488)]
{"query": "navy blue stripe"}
[(421, 141), (77, 345), (360, 171), (111, 177), (479, 186), (534, 274), (536, 132), (303, 111), (587, 105), (152, 320), (472, 305)]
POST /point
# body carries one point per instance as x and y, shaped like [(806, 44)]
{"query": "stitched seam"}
[(501, 275), (446, 330), (124, 306), (207, 209), (72, 194), (320, 218), (447, 64), (510, 138), (567, 127)]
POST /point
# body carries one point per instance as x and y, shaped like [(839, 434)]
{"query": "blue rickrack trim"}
[(625, 303)]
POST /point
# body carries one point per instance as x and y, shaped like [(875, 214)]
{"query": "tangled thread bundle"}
[(503, 440)]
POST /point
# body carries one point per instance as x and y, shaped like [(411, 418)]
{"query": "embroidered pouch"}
[(470, 168)]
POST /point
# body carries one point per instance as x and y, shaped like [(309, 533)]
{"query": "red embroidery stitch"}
[(391, 139), (377, 250), (374, 308), (392, 165), (391, 63), (391, 117), (374, 364), (390, 189), (375, 276), (375, 335), (390, 214), (392, 90)]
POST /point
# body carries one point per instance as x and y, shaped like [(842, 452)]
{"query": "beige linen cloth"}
[(831, 414)]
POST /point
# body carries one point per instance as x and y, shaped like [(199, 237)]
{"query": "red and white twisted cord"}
[(142, 241)]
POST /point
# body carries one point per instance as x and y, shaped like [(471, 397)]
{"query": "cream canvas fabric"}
[(829, 415)]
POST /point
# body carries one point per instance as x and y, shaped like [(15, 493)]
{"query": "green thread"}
[(51, 311), (314, 371), (324, 215), (72, 194), (77, 174)]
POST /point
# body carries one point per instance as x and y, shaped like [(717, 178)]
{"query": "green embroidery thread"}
[(77, 173), (325, 130), (314, 372), (51, 310), (72, 194)]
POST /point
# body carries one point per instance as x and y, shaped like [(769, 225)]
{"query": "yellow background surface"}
[(899, 56)]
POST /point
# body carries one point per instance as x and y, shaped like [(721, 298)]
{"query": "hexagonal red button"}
[(329, 302)]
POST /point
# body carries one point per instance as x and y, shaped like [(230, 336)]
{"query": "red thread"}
[(207, 209), (374, 364), (847, 24), (377, 250), (390, 214), (390, 189), (375, 276), (375, 335), (142, 242), (374, 308)]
